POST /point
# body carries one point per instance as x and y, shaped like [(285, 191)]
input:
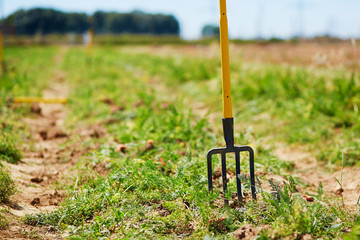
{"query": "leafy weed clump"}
[(7, 185), (9, 152), (292, 214)]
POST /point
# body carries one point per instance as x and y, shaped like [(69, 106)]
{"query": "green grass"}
[(305, 106), (157, 188), (161, 192)]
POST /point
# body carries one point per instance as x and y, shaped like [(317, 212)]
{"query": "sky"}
[(247, 18)]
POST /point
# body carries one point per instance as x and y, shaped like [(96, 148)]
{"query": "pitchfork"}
[(228, 120)]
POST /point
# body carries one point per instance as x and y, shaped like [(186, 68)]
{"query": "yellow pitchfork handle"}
[(225, 62)]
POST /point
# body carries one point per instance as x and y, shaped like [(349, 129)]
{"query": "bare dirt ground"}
[(312, 172)]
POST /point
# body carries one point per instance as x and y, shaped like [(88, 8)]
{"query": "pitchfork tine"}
[(238, 180), (224, 178), (209, 167), (252, 172)]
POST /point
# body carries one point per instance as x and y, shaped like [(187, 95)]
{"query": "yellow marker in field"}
[(2, 57), (37, 100), (90, 42), (225, 61)]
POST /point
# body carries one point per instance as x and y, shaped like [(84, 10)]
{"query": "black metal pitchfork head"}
[(228, 126)]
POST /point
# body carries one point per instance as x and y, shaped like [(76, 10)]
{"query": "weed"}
[(7, 185), (4, 223), (9, 151), (354, 234)]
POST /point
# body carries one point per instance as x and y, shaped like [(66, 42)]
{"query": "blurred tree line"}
[(47, 21), (210, 31)]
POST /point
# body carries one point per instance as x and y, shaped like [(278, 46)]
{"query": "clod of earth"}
[(308, 198), (15, 206), (37, 179), (163, 211), (339, 191), (111, 121), (102, 169), (248, 231), (139, 103), (149, 145), (121, 148), (43, 135), (97, 132), (161, 162), (218, 225), (60, 134), (35, 201), (115, 108), (108, 101)]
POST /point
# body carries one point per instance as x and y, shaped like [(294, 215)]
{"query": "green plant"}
[(7, 185), (9, 151), (4, 224)]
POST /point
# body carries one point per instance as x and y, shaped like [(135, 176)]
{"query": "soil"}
[(248, 231), (313, 173)]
